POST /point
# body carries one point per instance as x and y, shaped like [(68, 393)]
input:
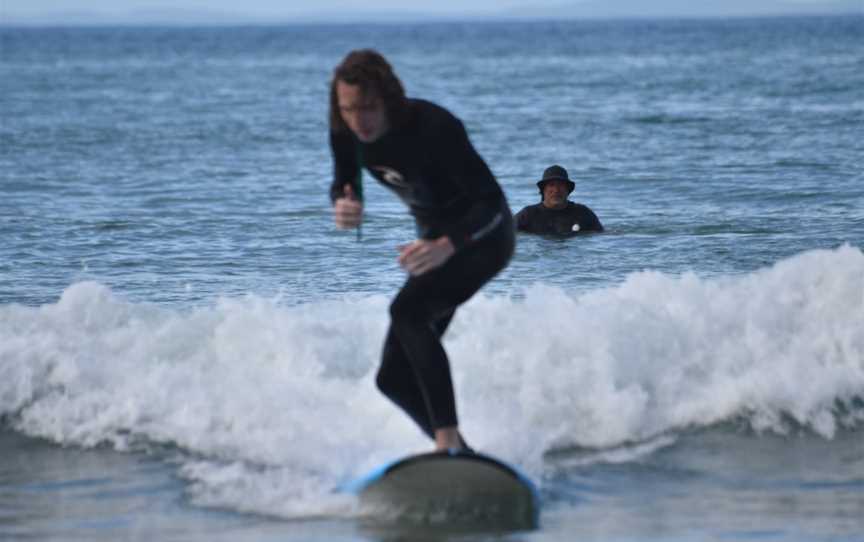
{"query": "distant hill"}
[(561, 10), (689, 8)]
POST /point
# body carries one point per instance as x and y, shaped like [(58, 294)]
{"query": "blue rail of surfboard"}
[(356, 486), (535, 493)]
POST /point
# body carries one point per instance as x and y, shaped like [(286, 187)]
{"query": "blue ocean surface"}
[(188, 345)]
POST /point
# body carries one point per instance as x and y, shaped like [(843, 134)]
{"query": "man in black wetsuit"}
[(421, 152), (555, 214)]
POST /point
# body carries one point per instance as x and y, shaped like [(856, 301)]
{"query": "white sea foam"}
[(277, 404)]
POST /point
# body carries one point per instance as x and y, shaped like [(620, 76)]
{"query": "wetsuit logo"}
[(390, 175)]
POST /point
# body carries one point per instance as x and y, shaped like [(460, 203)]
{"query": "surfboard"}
[(452, 487)]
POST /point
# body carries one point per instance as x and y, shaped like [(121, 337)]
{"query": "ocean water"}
[(188, 345)]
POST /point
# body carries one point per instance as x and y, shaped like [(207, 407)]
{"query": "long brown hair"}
[(369, 70)]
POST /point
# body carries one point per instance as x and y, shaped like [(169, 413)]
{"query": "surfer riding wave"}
[(421, 152)]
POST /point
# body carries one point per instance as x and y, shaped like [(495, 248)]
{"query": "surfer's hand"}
[(348, 210), (425, 254)]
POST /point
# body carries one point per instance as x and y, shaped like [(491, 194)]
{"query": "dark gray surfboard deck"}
[(456, 488)]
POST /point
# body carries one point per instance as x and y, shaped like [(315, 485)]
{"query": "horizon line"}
[(219, 19)]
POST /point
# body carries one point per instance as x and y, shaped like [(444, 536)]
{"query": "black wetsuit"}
[(431, 165), (573, 219)]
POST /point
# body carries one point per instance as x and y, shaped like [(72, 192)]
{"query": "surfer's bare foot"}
[(447, 438)]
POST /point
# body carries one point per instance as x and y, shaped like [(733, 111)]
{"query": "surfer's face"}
[(364, 113), (555, 194)]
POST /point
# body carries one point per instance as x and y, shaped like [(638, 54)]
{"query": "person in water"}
[(465, 232), (555, 214)]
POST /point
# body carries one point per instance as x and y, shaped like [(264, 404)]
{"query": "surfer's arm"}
[(592, 223), (346, 190), (346, 166), (522, 219)]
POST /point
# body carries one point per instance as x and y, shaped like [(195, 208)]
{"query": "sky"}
[(286, 11)]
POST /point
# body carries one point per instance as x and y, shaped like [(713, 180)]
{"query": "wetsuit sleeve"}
[(346, 166), (463, 165), (593, 222), (523, 219)]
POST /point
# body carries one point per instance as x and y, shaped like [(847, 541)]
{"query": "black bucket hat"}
[(555, 173)]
